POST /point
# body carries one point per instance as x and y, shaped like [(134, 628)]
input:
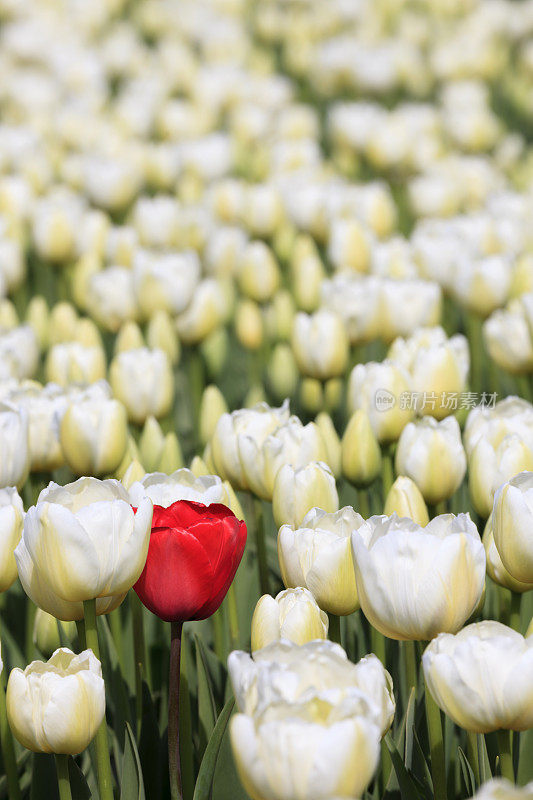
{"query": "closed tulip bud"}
[(320, 344), (62, 324), (282, 372), (360, 451), (8, 315), (165, 280), (298, 490), (415, 582), (87, 266), (212, 406), (405, 499), (249, 326), (492, 464), (502, 700), (214, 349), (161, 334), (495, 568), (331, 442), (37, 317), (307, 274), (288, 671), (199, 467), (46, 632), (283, 241), (11, 519), (151, 444), (292, 614), (378, 387), (171, 456), (72, 362), (90, 517), (318, 555), (254, 396), (279, 316), (432, 455), (501, 789), (333, 390), (129, 337), (258, 273), (512, 520), (142, 380), (94, 435), (204, 313), (14, 445), (349, 245), (508, 340), (134, 473), (312, 395), (263, 209), (87, 333), (130, 454)]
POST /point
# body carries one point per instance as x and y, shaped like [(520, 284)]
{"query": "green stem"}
[(506, 757), (31, 610), (174, 765), (264, 582), (233, 616), (436, 747), (335, 628), (410, 666), (473, 326), (218, 633), (387, 471), (514, 617), (378, 645), (63, 779), (115, 624), (8, 748), (103, 762), (139, 654), (363, 505), (473, 755)]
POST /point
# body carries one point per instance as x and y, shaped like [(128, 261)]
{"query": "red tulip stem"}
[(174, 764)]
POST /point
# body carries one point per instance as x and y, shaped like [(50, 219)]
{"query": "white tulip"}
[(19, 353), (298, 490), (142, 380), (165, 280), (501, 789), (512, 518), (292, 614), (110, 297), (164, 490), (14, 444), (71, 362), (11, 519), (93, 435), (511, 415), (490, 465), (320, 344), (378, 388)]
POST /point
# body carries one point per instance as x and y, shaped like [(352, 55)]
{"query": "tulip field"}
[(266, 399)]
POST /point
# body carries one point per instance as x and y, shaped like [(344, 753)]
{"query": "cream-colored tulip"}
[(183, 484), (206, 311), (495, 568), (511, 415), (164, 280), (378, 388), (360, 450), (255, 423), (72, 362), (512, 520), (94, 435), (432, 455), (331, 442), (142, 380), (501, 789), (291, 443), (293, 614), (415, 582), (161, 333), (11, 520), (249, 324), (405, 499), (110, 297), (438, 366), (258, 272), (45, 406), (350, 245), (320, 344), (297, 491), (453, 665), (19, 353), (507, 337), (285, 671), (318, 556), (14, 444), (490, 465), (57, 706), (46, 632), (212, 406), (84, 541)]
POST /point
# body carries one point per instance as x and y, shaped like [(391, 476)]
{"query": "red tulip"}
[(193, 556)]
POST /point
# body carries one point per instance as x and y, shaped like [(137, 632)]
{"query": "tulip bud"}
[(333, 390), (14, 445), (360, 451), (62, 324), (171, 457), (214, 349), (254, 396), (282, 372), (129, 337), (37, 317), (164, 280), (233, 501), (258, 272), (87, 333), (349, 245), (11, 519), (161, 334), (93, 436), (142, 379), (57, 706), (279, 316), (71, 362), (331, 442), (249, 324), (292, 614), (405, 499), (134, 473), (297, 491), (312, 395), (495, 567), (151, 444), (87, 266), (130, 454), (283, 241), (199, 467), (320, 344), (378, 387), (46, 635), (432, 455), (8, 315), (453, 663), (206, 311), (512, 520), (307, 274)]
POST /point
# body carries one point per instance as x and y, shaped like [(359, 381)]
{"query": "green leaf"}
[(485, 773), (78, 784), (525, 762), (206, 774), (206, 705), (408, 784), (151, 750), (467, 772), (409, 729), (226, 782), (131, 786), (44, 777)]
